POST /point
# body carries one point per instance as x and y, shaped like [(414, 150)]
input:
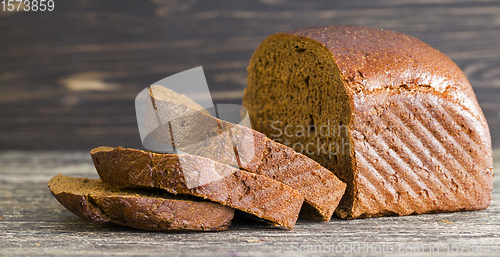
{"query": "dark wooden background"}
[(68, 78)]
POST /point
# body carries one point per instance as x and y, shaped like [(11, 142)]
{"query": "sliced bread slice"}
[(174, 116), (95, 201), (194, 175)]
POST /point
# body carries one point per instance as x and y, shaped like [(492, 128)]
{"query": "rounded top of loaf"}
[(372, 59)]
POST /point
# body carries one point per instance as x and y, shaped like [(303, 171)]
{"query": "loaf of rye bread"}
[(194, 175), (95, 201), (399, 120), (194, 131)]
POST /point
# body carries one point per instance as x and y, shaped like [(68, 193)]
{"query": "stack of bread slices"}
[(158, 191)]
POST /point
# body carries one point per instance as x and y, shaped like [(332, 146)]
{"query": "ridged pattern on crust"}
[(418, 152)]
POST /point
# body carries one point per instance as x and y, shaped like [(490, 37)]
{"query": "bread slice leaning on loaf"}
[(196, 132), (95, 201), (398, 120), (194, 175)]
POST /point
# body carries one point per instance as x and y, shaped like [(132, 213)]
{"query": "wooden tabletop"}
[(33, 222), (68, 80)]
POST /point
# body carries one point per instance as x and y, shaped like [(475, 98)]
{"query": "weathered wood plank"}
[(32, 222)]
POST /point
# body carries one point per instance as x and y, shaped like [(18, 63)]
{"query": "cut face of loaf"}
[(392, 117), (95, 201), (198, 176), (196, 132)]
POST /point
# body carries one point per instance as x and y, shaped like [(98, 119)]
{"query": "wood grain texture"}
[(32, 222), (68, 78)]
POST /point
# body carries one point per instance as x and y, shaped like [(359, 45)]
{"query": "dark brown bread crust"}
[(97, 202), (372, 60), (255, 194), (420, 142), (216, 139)]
